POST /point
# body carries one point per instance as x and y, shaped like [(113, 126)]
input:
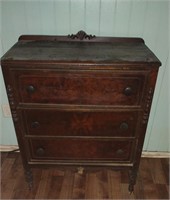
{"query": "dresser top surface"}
[(112, 52)]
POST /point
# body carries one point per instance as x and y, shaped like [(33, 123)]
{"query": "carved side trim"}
[(147, 105), (12, 103), (29, 178), (132, 179), (81, 35)]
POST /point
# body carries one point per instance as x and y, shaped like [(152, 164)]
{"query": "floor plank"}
[(67, 185), (114, 184), (79, 186), (70, 183)]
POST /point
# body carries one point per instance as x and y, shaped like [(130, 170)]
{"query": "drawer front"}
[(65, 123), (90, 88), (81, 149)]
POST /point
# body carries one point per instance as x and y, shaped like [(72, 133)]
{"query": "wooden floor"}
[(53, 183)]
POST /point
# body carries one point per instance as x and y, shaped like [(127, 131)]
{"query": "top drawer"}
[(83, 87)]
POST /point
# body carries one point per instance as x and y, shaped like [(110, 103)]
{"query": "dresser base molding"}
[(82, 168), (145, 154)]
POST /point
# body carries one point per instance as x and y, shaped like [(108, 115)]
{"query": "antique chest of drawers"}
[(80, 100)]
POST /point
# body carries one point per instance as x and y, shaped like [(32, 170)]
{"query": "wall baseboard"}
[(8, 148), (145, 154), (155, 154)]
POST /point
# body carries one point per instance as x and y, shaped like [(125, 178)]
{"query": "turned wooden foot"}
[(132, 180), (29, 178)]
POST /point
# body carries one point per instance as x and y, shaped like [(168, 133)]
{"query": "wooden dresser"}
[(80, 100)]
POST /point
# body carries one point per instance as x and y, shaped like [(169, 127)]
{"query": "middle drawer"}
[(43, 122)]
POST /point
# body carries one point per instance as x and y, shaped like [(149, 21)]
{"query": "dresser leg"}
[(29, 178), (132, 179)]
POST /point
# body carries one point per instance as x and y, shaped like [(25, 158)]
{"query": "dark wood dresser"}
[(80, 100)]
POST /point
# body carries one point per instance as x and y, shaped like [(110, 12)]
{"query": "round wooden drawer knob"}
[(30, 89), (40, 151), (35, 124), (128, 91), (124, 126), (120, 152)]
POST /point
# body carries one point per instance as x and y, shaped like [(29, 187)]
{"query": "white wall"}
[(140, 18)]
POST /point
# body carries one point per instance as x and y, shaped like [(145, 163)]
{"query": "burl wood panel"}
[(63, 123), (80, 87), (81, 149)]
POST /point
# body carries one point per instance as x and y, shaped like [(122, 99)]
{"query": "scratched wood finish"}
[(86, 150), (60, 75), (49, 122), (53, 86), (57, 183)]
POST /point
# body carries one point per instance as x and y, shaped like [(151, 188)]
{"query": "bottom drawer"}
[(81, 149)]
